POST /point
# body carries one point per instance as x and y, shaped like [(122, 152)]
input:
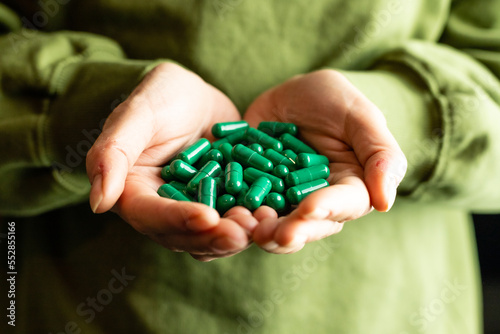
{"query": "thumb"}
[(125, 135)]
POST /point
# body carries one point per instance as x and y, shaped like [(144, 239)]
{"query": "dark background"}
[(488, 241)]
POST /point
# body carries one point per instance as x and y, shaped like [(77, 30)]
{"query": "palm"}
[(336, 119)]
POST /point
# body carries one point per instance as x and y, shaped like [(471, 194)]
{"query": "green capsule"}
[(211, 168), (213, 154), (226, 150), (278, 159), (195, 151), (220, 130), (182, 170), (168, 191), (246, 156), (281, 171), (207, 191), (308, 159), (295, 144), (220, 184), (291, 155), (224, 203), (257, 192), (256, 147), (298, 193), (166, 175), (178, 185), (276, 129), (242, 194), (307, 174), (276, 201), (252, 174), (234, 177), (259, 137)]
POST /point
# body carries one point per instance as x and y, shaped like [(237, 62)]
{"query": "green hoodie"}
[(432, 67)]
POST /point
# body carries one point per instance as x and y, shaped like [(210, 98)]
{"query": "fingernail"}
[(317, 214), (391, 188), (270, 246), (95, 197), (225, 244)]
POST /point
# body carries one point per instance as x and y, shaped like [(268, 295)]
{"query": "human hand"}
[(366, 165), (171, 108)]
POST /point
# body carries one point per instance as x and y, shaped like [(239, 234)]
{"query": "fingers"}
[(125, 135), (378, 152), (318, 216)]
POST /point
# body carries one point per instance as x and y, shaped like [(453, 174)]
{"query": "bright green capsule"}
[(224, 203), (281, 171), (166, 175), (298, 193), (195, 151), (276, 201), (207, 191), (307, 174), (276, 129), (220, 130), (168, 191), (182, 170), (234, 177), (226, 150), (256, 147), (257, 192), (232, 139), (213, 154), (278, 159), (252, 174), (295, 144), (291, 155), (259, 137), (211, 168), (308, 159), (246, 156)]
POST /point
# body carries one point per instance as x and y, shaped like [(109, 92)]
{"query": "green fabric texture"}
[(431, 66)]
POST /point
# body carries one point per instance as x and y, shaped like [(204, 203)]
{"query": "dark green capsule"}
[(278, 159), (225, 202), (247, 156), (234, 177), (213, 154), (308, 159), (276, 129), (242, 194), (307, 174), (259, 137), (256, 147), (295, 144), (178, 185), (166, 175), (252, 174), (226, 150), (220, 184), (220, 130), (281, 171), (291, 155), (168, 191), (195, 151), (211, 169), (207, 191), (257, 192), (298, 193), (276, 201), (182, 170)]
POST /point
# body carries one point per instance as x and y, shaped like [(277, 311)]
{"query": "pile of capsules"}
[(246, 166)]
